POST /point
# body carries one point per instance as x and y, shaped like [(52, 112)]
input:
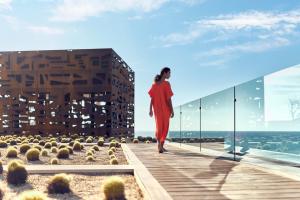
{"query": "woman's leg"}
[(165, 131), (159, 132)]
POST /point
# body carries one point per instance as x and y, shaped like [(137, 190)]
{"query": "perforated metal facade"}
[(85, 91)]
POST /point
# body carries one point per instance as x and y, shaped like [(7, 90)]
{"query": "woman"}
[(161, 102)]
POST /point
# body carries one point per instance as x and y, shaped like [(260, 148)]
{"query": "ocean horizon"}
[(144, 133)]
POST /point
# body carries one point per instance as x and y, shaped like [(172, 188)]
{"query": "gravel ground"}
[(78, 158), (83, 187)]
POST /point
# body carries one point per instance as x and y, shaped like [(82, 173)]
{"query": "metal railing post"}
[(234, 122), (200, 125), (180, 124)]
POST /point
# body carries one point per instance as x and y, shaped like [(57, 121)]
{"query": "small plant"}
[(54, 161), (62, 146), (114, 188), (89, 153), (100, 143), (110, 152), (11, 152), (48, 145), (123, 140), (89, 140), (135, 141), (35, 141), (92, 150), (96, 148), (59, 184), (42, 142), (16, 173), (114, 161), (3, 144), (54, 143), (64, 140), (32, 195), (1, 168), (112, 144), (24, 148), (112, 157), (76, 146), (54, 150), (37, 147), (74, 136), (70, 150), (113, 149), (63, 153), (118, 145), (90, 158), (44, 152), (33, 154), (71, 143), (13, 142)]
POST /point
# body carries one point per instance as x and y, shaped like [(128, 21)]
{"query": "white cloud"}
[(193, 2), (248, 47), (5, 4), (136, 17), (17, 25), (265, 24), (181, 39), (78, 10), (45, 30), (254, 19), (218, 63), (75, 10)]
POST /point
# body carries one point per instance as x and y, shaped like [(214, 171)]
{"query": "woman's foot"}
[(160, 149), (162, 146)]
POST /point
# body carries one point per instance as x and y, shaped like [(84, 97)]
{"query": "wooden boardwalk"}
[(186, 175)]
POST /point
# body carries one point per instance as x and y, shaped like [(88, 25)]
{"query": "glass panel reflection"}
[(268, 116), (217, 121), (174, 130), (190, 123)]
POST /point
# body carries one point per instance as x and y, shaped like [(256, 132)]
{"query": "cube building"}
[(62, 92)]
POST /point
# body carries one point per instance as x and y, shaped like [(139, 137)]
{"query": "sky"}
[(209, 45)]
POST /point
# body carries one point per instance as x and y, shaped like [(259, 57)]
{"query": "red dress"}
[(160, 94)]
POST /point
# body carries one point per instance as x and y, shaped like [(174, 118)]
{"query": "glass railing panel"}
[(174, 130), (268, 116), (249, 115), (217, 122), (190, 123)]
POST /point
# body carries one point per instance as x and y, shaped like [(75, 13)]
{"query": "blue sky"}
[(209, 44)]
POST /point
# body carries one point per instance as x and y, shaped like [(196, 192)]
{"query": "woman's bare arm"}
[(171, 107), (151, 104)]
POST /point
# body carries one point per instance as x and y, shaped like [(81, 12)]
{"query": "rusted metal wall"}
[(88, 91)]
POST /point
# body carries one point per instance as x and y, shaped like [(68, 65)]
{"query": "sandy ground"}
[(101, 157), (83, 187)]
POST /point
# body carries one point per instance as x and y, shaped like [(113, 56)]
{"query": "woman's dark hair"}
[(159, 76)]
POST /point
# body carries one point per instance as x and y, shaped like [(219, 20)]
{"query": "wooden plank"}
[(188, 175)]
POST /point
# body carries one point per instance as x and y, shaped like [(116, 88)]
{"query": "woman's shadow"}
[(218, 166)]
